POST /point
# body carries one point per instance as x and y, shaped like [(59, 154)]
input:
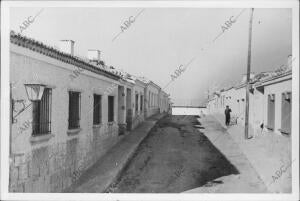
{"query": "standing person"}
[(227, 115)]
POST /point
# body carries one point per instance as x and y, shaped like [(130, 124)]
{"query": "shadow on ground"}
[(174, 157)]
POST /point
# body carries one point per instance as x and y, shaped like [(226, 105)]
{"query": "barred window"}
[(97, 109), (149, 100), (74, 109), (41, 113), (136, 102), (286, 113), (110, 108), (142, 100)]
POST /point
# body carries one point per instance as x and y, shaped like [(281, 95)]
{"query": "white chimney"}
[(67, 46), (289, 62), (94, 55)]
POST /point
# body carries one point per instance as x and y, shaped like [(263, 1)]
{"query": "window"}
[(97, 119), (110, 108), (74, 109), (41, 114), (149, 100), (136, 102), (271, 111), (142, 100), (286, 112)]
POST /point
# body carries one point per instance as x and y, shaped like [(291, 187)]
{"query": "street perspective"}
[(150, 101)]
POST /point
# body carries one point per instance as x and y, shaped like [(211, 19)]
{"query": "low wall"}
[(188, 110), (152, 111)]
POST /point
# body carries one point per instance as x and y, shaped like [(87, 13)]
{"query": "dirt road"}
[(174, 157)]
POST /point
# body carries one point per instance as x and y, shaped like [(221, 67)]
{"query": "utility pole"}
[(248, 76)]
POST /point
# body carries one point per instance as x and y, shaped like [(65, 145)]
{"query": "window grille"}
[(110, 108), (41, 121), (74, 110), (97, 118)]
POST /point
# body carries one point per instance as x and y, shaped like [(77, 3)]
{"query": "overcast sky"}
[(162, 39)]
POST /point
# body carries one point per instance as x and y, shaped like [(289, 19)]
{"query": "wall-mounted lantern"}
[(34, 91)]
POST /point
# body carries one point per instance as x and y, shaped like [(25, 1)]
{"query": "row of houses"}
[(67, 111), (270, 101)]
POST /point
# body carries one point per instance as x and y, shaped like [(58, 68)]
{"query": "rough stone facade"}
[(55, 167)]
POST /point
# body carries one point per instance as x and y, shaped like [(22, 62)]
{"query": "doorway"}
[(128, 109), (271, 112)]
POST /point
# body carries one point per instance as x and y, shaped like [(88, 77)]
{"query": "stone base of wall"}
[(137, 120), (55, 167), (122, 129), (153, 111)]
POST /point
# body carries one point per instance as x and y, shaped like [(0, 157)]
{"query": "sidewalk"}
[(246, 181), (106, 170), (268, 153)]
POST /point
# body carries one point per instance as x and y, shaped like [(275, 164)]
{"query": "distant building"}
[(270, 101)]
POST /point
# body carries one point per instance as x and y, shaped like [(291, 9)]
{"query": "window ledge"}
[(41, 138), (269, 128), (74, 131), (284, 131), (97, 125), (110, 123)]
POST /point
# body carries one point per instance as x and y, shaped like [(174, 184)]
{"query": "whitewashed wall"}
[(277, 89), (28, 172)]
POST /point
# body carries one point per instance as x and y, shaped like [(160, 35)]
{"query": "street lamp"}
[(34, 91)]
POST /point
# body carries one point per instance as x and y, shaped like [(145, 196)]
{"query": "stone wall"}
[(152, 111), (137, 120), (55, 167)]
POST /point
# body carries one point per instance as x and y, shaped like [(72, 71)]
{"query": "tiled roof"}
[(274, 77), (52, 52), (144, 79)]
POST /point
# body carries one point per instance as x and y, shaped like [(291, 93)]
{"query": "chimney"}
[(289, 62), (244, 79), (67, 46), (94, 55)]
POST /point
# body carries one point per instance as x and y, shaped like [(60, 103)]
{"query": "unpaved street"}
[(175, 157)]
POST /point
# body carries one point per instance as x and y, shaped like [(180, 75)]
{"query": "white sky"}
[(161, 39)]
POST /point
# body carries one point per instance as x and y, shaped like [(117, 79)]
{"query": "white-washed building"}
[(270, 101), (79, 109), (276, 103)]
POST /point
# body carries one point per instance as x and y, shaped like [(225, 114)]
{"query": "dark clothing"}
[(227, 116)]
